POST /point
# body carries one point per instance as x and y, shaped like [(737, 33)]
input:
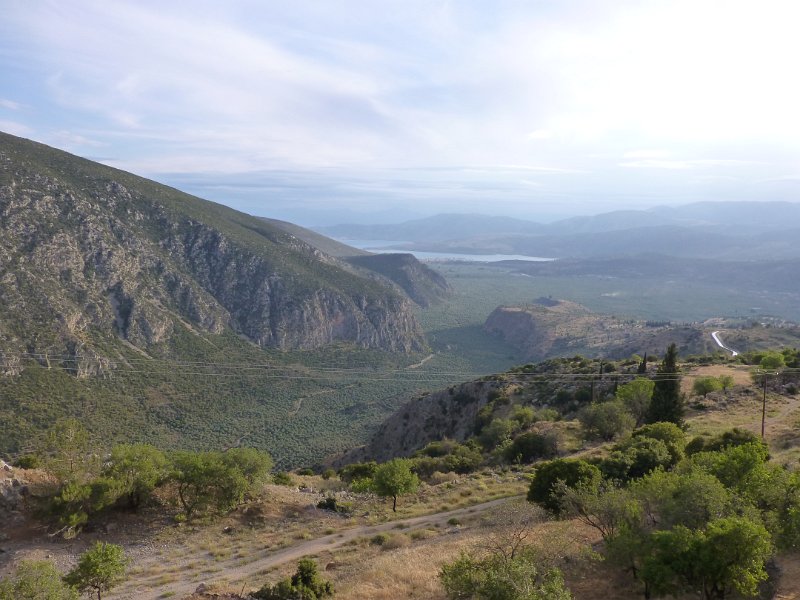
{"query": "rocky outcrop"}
[(89, 253), (446, 414), (550, 328)]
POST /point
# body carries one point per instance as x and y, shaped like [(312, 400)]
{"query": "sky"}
[(322, 112)]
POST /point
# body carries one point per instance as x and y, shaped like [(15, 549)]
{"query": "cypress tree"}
[(667, 402), (642, 370)]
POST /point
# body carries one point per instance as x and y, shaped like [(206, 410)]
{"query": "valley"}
[(152, 317)]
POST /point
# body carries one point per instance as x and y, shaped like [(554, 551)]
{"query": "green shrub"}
[(354, 471), (305, 584), (36, 580), (29, 461), (573, 473), (531, 446), (606, 420), (282, 478)]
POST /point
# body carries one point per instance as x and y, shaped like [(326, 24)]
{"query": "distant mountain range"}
[(743, 230)]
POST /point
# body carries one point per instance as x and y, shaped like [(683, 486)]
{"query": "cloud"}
[(652, 163), (488, 93), (9, 104)]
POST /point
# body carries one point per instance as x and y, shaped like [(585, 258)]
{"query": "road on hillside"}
[(715, 335), (232, 571)]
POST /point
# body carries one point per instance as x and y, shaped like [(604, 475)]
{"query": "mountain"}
[(91, 253), (438, 227), (724, 230), (320, 242), (419, 282), (155, 316)]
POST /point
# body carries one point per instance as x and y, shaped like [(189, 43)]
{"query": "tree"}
[(606, 420), (205, 481), (495, 578), (635, 458), (138, 468), (395, 478), (690, 499), (573, 473), (772, 361), (305, 584), (669, 433), (702, 386), (729, 555), (608, 509), (667, 402), (498, 431), (254, 465), (36, 580), (512, 566), (636, 396), (67, 451), (99, 569), (725, 382)]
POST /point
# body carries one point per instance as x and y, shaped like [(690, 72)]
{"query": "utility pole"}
[(764, 407)]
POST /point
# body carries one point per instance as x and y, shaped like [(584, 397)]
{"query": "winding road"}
[(715, 335)]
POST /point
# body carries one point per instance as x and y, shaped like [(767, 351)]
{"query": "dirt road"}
[(233, 569)]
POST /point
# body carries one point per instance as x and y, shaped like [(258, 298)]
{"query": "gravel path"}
[(233, 570)]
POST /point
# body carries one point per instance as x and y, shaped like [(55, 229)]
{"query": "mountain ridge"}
[(101, 250)]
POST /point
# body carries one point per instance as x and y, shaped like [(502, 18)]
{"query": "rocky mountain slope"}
[(89, 253), (549, 328), (419, 282)]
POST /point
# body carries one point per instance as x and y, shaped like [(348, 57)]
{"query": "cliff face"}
[(88, 252)]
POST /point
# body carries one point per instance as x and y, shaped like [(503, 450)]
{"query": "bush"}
[(306, 584), (532, 446), (497, 577), (573, 473), (497, 431), (354, 471), (330, 503), (282, 478), (606, 420), (673, 437), (395, 541), (727, 439), (636, 458), (36, 580), (29, 461)]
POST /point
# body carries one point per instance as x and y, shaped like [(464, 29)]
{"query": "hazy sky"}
[(318, 111)]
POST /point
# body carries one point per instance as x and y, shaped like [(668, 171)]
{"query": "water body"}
[(393, 246)]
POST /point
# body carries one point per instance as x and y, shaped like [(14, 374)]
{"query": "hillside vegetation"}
[(533, 422)]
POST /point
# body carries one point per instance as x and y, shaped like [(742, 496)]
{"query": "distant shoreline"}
[(394, 246)]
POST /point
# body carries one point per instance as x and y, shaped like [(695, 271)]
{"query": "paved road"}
[(717, 339)]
